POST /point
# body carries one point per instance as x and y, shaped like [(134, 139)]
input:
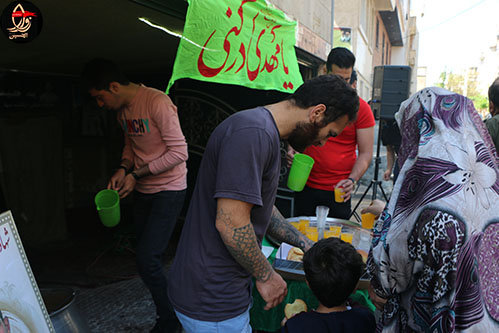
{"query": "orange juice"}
[(338, 192), (335, 230), (312, 235), (302, 225), (368, 220), (347, 237), (310, 229), (329, 233)]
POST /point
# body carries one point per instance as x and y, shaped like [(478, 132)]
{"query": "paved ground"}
[(110, 295), (124, 306)]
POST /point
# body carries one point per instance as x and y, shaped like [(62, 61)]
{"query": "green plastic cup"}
[(299, 172), (108, 207)]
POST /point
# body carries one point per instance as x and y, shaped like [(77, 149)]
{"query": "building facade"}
[(313, 35), (383, 32)]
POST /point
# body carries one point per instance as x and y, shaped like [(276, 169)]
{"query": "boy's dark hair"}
[(332, 268), (494, 93), (353, 77), (99, 73), (341, 57), (331, 90)]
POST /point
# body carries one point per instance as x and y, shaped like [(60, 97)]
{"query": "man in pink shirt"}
[(153, 166)]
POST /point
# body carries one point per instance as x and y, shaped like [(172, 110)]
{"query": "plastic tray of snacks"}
[(288, 263)]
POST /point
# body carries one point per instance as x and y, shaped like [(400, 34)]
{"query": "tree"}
[(481, 103), (443, 80), (451, 81), (472, 87), (455, 83)]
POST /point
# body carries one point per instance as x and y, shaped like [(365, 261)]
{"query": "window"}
[(383, 51), (377, 32), (363, 15), (367, 15)]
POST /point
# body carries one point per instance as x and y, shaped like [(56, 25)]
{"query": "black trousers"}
[(309, 198), (155, 216)]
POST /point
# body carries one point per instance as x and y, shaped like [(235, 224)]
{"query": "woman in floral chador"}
[(435, 250)]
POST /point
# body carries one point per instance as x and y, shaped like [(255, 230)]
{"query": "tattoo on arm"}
[(242, 245), (283, 231)]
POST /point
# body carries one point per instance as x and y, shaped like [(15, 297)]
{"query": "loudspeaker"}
[(390, 88)]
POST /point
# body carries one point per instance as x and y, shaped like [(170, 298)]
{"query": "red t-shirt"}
[(334, 161)]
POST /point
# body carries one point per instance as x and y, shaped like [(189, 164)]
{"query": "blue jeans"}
[(155, 216), (239, 324)]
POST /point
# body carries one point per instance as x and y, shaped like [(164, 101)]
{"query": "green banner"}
[(244, 42)]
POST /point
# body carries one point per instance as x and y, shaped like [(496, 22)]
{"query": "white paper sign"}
[(21, 305)]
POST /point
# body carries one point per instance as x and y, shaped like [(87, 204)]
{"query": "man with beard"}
[(232, 206), (152, 167)]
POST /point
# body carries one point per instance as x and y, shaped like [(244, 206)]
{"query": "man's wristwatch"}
[(354, 182), (135, 175)]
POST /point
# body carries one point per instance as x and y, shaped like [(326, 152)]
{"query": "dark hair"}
[(341, 57), (332, 268), (99, 73), (353, 77), (331, 90), (494, 93)]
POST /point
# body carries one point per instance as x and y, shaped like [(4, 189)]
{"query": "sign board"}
[(243, 42), (21, 305), (342, 37)]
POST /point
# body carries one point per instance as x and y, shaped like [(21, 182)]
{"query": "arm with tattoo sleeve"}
[(240, 239), (235, 228), (283, 231)]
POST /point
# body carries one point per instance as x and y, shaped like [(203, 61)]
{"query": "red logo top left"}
[(21, 21)]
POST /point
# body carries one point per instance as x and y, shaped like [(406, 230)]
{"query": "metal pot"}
[(63, 311)]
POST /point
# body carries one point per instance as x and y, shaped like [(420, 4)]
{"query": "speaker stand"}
[(375, 183)]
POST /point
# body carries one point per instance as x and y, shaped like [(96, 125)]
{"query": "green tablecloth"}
[(270, 320)]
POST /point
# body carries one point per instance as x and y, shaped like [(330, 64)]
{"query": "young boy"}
[(333, 269)]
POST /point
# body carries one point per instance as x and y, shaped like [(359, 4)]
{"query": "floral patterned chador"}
[(435, 250)]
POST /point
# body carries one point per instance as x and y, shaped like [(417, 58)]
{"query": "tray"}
[(361, 238), (293, 270)]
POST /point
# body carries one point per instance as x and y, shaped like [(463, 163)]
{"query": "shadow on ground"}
[(99, 264)]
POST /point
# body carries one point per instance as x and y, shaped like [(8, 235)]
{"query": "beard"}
[(303, 135)]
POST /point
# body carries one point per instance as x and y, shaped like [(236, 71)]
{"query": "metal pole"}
[(377, 162), (332, 23), (375, 183)]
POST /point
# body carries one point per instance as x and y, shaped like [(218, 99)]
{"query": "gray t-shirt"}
[(241, 162)]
